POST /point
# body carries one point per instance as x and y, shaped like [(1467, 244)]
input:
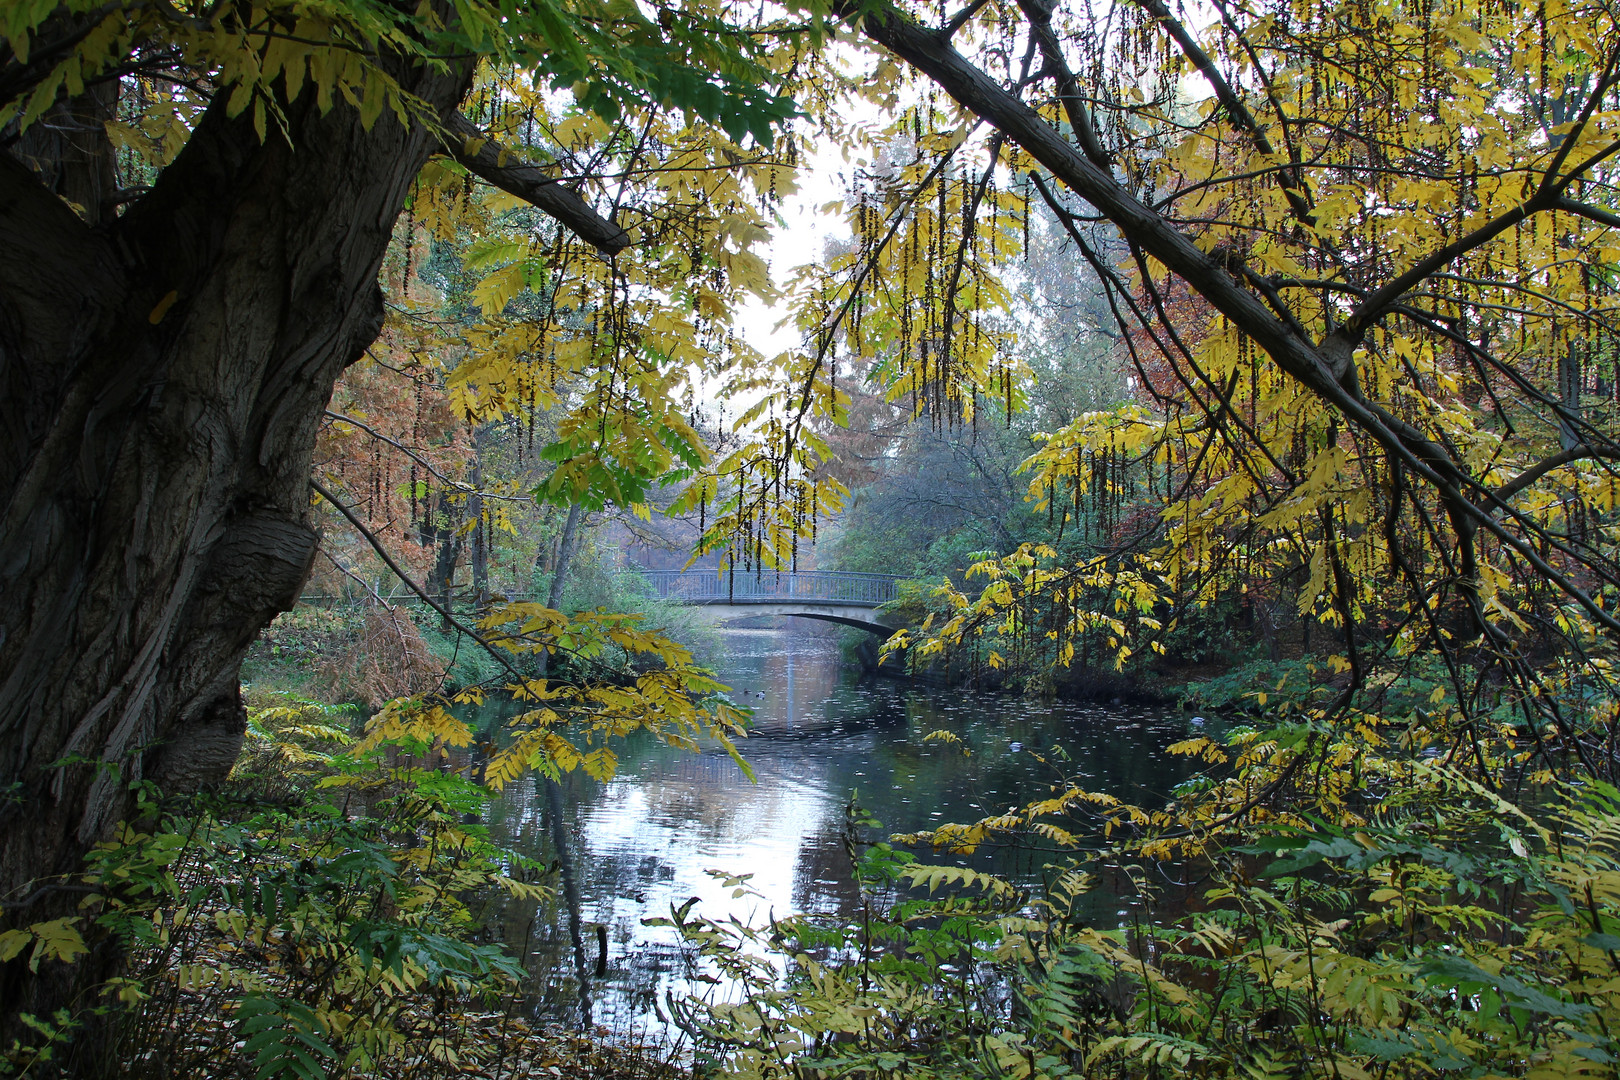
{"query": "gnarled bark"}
[(162, 375)]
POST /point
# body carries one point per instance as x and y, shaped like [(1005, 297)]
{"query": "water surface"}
[(823, 734)]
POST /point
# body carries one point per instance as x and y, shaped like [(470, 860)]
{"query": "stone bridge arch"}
[(848, 599)]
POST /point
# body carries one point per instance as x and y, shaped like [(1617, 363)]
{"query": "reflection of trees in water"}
[(536, 932), (796, 686), (706, 797), (642, 830), (823, 878)]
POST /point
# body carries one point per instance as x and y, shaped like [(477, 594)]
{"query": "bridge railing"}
[(769, 587), (707, 587)]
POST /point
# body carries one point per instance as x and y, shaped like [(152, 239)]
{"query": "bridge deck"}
[(770, 587), (817, 587)]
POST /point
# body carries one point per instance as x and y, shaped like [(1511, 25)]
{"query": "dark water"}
[(648, 839)]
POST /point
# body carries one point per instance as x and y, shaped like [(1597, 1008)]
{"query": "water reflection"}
[(648, 840)]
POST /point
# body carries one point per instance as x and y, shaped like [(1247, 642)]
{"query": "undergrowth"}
[(313, 919), (1361, 895), (1401, 919)]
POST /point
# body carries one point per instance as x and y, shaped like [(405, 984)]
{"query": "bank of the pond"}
[(1167, 682)]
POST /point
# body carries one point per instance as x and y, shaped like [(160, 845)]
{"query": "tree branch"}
[(1345, 339), (486, 158), (1327, 370), (1590, 212), (1578, 452), (1550, 196), (399, 572), (1567, 141), (356, 578), (984, 97), (1039, 14), (960, 19), (460, 486), (1298, 200)]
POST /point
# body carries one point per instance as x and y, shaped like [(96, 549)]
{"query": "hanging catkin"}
[(1029, 206), (1075, 488)]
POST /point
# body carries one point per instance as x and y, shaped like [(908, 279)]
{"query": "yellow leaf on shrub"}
[(56, 940)]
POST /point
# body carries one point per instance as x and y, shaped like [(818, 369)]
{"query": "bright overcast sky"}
[(802, 241)]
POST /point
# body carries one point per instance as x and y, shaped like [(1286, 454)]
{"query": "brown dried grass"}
[(389, 659)]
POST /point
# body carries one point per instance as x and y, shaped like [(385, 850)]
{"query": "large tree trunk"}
[(161, 379)]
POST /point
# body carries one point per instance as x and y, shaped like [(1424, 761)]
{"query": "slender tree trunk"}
[(1569, 396), (544, 558), (565, 557), (554, 791), (162, 377), (479, 547), (559, 573), (446, 538)]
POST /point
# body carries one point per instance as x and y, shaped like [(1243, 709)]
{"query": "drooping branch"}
[(1039, 14), (495, 653), (961, 19), (1298, 198), (357, 579), (486, 158), (1590, 212), (1327, 369), (986, 98)]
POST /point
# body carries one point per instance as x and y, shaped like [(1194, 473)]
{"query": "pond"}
[(669, 822)]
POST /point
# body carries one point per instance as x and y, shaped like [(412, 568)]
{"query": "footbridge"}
[(828, 595)]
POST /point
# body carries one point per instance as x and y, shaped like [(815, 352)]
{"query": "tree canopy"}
[(1363, 255), (1358, 260)]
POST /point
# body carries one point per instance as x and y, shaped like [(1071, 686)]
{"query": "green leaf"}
[(1468, 978), (277, 1032)]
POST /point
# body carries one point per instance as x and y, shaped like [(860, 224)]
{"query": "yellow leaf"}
[(163, 307)]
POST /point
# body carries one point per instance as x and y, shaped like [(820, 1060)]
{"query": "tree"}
[(1370, 249), (195, 202), (928, 496)]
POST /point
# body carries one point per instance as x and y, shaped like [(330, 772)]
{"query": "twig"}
[(960, 19), (352, 576), (499, 657), (480, 154), (45, 890), (459, 485)]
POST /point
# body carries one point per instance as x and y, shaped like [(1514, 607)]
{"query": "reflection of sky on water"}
[(646, 840)]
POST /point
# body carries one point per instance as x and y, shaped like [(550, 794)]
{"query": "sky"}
[(802, 241)]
